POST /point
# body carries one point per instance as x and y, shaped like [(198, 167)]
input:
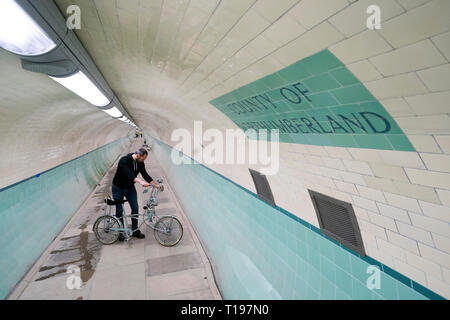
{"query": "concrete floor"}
[(138, 269)]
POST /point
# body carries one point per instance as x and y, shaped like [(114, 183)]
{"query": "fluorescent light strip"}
[(113, 112), (79, 84), (19, 33)]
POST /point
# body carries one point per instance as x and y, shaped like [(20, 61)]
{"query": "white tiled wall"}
[(402, 199), (42, 124)]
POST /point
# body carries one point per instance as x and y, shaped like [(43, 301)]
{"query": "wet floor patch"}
[(83, 251)]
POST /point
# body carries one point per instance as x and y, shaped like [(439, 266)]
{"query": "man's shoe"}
[(121, 237), (138, 234)]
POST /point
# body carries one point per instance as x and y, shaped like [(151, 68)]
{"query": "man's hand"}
[(145, 184), (156, 185), (142, 182)]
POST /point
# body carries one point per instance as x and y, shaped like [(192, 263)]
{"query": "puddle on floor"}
[(83, 251), (87, 270)]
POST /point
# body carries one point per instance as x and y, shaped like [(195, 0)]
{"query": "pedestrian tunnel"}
[(305, 146)]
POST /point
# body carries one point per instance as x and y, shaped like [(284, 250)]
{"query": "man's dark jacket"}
[(127, 170)]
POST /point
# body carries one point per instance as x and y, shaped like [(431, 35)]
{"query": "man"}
[(123, 185)]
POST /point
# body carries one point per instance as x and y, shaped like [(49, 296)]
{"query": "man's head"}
[(140, 155)]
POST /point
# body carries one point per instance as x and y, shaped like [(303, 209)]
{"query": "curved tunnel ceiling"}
[(167, 59), (42, 124)]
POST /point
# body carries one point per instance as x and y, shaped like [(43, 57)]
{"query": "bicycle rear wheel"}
[(168, 231), (102, 229)]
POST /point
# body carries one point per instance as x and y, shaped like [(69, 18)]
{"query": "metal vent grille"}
[(338, 221), (262, 186)]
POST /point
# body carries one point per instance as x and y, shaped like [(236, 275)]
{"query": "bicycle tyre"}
[(173, 236), (112, 222)]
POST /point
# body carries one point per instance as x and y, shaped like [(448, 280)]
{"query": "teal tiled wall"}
[(263, 252), (317, 101), (33, 211)]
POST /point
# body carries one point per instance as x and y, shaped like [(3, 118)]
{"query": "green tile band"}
[(317, 101), (34, 210), (314, 254)]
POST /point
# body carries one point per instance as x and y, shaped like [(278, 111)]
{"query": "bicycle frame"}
[(149, 208), (152, 202), (168, 230)]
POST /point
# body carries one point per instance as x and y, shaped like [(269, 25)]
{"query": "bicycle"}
[(167, 229)]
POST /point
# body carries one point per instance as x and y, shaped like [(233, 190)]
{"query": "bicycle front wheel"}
[(168, 231), (105, 229)]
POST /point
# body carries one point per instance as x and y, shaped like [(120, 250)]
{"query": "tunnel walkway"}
[(138, 269)]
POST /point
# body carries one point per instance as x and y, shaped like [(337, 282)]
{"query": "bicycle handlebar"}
[(154, 189), (160, 185)]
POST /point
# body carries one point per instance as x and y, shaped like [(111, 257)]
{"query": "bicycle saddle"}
[(111, 202)]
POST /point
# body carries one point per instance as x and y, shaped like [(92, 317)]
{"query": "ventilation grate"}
[(338, 221), (262, 186)]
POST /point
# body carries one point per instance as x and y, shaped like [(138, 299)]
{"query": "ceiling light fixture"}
[(79, 84), (113, 112), (19, 33), (37, 32)]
